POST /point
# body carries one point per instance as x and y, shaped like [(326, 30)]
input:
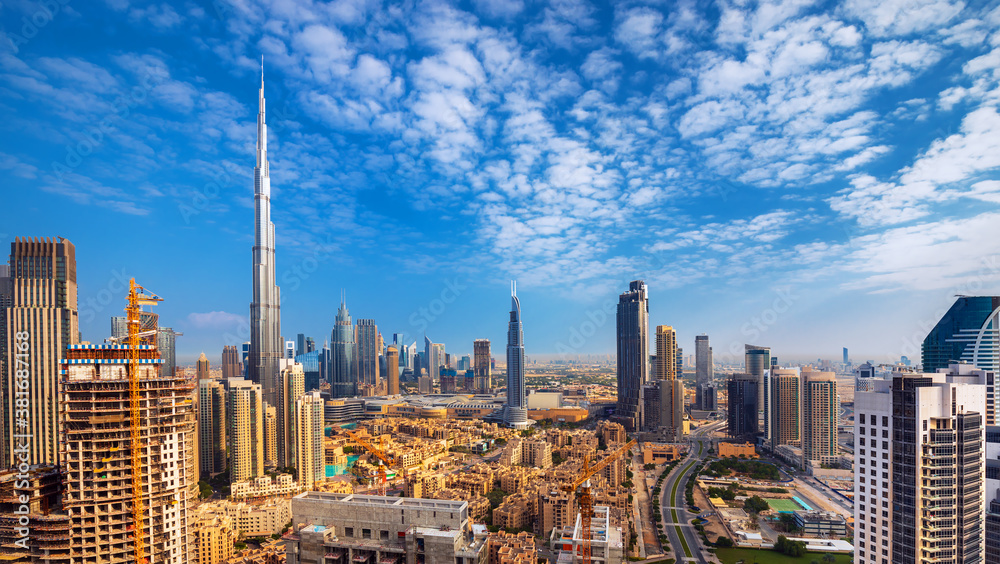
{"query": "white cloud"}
[(903, 17)]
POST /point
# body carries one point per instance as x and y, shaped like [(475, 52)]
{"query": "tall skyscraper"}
[(265, 309), (992, 544), (743, 417), (846, 359), (925, 504), (367, 338), (212, 426), (633, 354), (482, 377), (969, 332), (516, 413), (435, 358), (166, 341), (38, 307), (245, 433), (308, 436), (300, 344), (703, 367), (230, 362), (820, 415), (291, 386), (671, 405), (392, 364), (201, 368), (95, 444), (343, 362), (270, 435), (758, 360), (786, 407)]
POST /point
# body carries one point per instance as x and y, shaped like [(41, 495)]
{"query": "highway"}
[(676, 518)]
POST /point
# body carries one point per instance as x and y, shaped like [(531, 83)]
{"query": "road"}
[(672, 502)]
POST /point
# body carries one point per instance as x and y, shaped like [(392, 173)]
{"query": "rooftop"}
[(382, 501)]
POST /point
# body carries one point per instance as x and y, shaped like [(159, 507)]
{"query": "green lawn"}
[(750, 556), (785, 505)]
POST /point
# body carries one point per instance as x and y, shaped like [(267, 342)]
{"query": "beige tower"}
[(820, 414), (392, 365), (309, 455), (481, 366), (245, 416), (201, 368), (38, 319), (212, 426), (786, 407), (671, 402), (291, 385), (230, 362), (270, 435), (95, 448)]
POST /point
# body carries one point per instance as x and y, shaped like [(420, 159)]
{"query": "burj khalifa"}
[(265, 309)]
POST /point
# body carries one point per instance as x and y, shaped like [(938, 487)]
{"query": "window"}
[(366, 533), (862, 419), (383, 535), (349, 532), (885, 420)]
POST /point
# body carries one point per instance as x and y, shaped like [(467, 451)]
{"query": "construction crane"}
[(582, 481), (136, 299), (385, 461)]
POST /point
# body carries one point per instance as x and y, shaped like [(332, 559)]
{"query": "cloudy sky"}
[(797, 174)]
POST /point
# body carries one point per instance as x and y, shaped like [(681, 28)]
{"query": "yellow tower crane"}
[(136, 299), (586, 500), (385, 461)]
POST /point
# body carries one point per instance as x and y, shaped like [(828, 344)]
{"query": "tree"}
[(829, 558), (755, 504), (788, 522), (724, 542)]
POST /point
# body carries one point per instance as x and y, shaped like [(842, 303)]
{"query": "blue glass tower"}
[(516, 412), (967, 333)]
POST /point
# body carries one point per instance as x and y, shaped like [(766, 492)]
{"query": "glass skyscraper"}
[(343, 364), (517, 406), (968, 333), (633, 354)]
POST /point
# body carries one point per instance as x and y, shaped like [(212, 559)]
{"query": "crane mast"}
[(136, 299), (378, 452), (586, 500)]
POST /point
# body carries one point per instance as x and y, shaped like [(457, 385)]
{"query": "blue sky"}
[(797, 174)]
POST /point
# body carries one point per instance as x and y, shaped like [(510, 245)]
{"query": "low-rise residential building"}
[(819, 523), (659, 453), (265, 486), (510, 548)]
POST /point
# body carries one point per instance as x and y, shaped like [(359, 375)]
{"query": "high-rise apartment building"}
[(166, 342), (516, 410), (483, 381), (703, 367), (969, 332), (633, 354), (230, 362), (343, 362), (201, 368), (820, 415), (671, 405), (310, 458), (920, 470), (245, 432), (265, 307), (291, 387), (743, 417), (270, 435), (758, 360), (95, 444), (392, 364), (38, 320), (212, 426), (992, 545), (786, 407), (366, 336)]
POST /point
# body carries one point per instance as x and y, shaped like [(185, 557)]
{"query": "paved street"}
[(671, 504)]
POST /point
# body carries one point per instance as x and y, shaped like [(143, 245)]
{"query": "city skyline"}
[(830, 202)]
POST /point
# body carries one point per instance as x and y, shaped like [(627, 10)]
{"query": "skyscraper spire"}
[(265, 309), (515, 412)]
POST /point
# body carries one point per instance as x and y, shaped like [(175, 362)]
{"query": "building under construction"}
[(45, 538), (95, 408)]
